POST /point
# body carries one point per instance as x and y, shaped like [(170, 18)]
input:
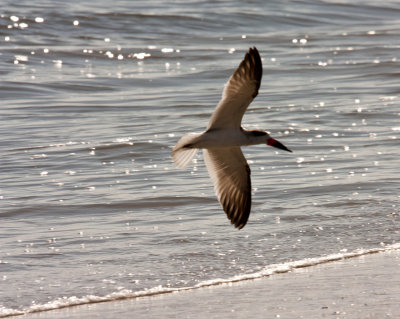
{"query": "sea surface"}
[(93, 95)]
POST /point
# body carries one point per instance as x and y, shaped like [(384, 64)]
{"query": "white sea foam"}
[(269, 270)]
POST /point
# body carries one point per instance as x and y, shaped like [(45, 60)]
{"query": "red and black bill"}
[(274, 143)]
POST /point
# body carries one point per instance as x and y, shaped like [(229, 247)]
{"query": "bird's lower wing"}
[(230, 174)]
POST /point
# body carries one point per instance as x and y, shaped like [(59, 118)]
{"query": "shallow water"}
[(93, 97)]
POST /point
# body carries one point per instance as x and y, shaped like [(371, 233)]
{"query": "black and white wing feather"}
[(230, 174)]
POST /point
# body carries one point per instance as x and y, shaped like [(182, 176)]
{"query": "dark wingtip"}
[(239, 227), (254, 59), (254, 50), (239, 220), (238, 213)]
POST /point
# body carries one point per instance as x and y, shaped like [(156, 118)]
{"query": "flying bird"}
[(223, 137)]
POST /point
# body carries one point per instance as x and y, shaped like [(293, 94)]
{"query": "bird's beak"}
[(277, 144)]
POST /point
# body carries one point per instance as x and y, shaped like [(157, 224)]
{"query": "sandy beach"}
[(359, 287)]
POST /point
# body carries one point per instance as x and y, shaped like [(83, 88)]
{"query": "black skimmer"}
[(224, 136)]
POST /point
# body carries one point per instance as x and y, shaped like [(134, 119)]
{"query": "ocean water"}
[(94, 95)]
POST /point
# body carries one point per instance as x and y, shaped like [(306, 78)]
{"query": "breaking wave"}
[(269, 270)]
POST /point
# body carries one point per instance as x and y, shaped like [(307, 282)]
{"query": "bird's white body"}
[(223, 138)]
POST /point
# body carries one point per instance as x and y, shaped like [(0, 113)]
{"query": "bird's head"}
[(261, 137)]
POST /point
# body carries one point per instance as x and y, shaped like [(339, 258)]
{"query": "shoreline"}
[(365, 286)]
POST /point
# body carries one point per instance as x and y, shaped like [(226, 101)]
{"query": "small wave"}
[(148, 202), (269, 270)]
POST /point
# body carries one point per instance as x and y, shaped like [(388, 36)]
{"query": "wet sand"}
[(360, 287)]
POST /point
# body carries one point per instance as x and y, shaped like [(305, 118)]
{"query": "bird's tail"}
[(183, 151)]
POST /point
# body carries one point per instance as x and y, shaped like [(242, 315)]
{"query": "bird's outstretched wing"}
[(239, 91), (230, 174)]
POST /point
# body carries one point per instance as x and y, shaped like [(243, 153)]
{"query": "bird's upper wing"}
[(239, 91), (230, 174)]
